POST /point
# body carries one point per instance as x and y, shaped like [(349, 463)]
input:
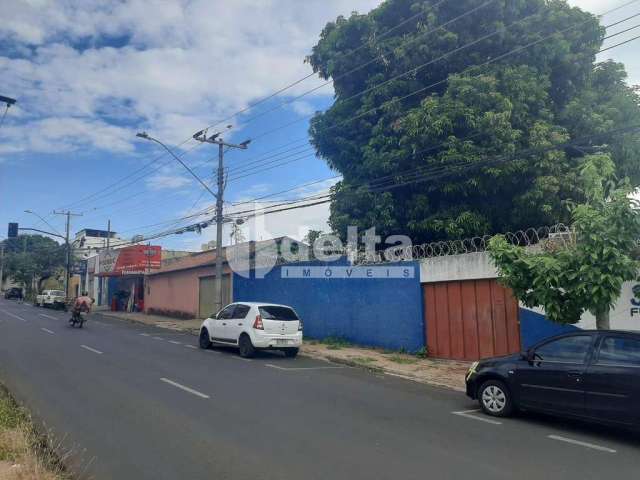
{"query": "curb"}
[(137, 322)]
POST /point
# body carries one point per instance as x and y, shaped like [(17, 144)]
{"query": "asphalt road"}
[(135, 402)]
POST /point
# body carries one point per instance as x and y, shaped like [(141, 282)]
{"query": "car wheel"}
[(205, 341), (290, 352), (246, 347), (495, 398)]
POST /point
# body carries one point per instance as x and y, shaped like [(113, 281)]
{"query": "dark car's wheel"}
[(495, 398), (246, 347), (205, 341), (290, 352)]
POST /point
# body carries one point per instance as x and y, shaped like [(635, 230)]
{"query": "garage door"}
[(207, 295), (471, 319)]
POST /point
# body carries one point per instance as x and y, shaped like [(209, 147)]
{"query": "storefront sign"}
[(136, 259)]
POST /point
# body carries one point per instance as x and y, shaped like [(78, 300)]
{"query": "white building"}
[(89, 242)]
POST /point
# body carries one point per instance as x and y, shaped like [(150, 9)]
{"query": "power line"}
[(145, 166), (619, 44), (287, 87), (428, 87), (622, 31)]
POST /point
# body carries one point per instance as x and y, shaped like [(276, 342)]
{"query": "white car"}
[(253, 325), (51, 298)]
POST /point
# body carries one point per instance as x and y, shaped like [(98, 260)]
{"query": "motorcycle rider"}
[(82, 304)]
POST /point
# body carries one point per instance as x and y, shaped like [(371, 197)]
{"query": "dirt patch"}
[(443, 373)]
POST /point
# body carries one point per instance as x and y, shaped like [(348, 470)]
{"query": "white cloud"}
[(164, 182), (303, 108), (172, 67)]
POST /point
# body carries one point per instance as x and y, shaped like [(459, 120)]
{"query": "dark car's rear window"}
[(277, 313)]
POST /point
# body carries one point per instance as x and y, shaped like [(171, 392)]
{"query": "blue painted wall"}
[(535, 327), (382, 312)]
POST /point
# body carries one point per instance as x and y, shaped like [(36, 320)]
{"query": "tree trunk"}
[(602, 319)]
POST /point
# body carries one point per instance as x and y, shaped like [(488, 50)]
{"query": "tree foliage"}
[(588, 273), (544, 95), (32, 257)]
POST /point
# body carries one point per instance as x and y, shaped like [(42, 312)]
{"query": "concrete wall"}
[(468, 266), (383, 312), (176, 291)]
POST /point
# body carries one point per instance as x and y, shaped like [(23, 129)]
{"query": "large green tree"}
[(584, 272), (546, 95), (32, 258)]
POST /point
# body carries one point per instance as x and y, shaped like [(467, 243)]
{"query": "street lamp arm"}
[(148, 137), (43, 231)]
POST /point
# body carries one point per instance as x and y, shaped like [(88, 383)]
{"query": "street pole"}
[(108, 233), (68, 214), (202, 137), (219, 206), (1, 266)]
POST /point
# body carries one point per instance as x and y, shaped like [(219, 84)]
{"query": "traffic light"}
[(13, 230)]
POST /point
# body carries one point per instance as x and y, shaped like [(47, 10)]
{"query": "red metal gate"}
[(470, 319)]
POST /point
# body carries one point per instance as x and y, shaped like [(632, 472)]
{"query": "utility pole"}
[(201, 136), (1, 266), (108, 233), (68, 214)]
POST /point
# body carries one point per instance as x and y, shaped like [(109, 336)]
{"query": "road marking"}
[(467, 414), (91, 349), (581, 444), (157, 338), (300, 368), (240, 358), (48, 331), (175, 342), (191, 346), (14, 315), (48, 316), (186, 389), (144, 334)]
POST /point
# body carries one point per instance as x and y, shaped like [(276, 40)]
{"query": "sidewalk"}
[(442, 373), (191, 326)]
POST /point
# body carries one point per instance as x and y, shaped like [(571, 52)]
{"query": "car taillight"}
[(258, 323), (299, 325)]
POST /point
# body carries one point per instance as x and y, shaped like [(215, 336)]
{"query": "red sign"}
[(135, 259)]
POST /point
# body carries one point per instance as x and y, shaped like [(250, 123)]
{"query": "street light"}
[(41, 218), (146, 136)]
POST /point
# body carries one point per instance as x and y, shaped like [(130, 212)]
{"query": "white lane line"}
[(185, 388), (91, 349), (299, 368), (144, 334), (48, 316), (48, 331), (191, 346), (13, 315), (175, 343), (581, 444), (158, 338), (240, 358), (468, 414)]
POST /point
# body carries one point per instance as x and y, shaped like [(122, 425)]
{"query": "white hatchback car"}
[(254, 325)]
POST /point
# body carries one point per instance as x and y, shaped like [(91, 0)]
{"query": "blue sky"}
[(89, 75)]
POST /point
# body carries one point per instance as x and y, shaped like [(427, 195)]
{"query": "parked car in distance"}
[(13, 292), (592, 375), (254, 325), (51, 298)]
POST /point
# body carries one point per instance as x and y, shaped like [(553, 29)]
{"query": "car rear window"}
[(277, 313), (619, 351), (57, 293)]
